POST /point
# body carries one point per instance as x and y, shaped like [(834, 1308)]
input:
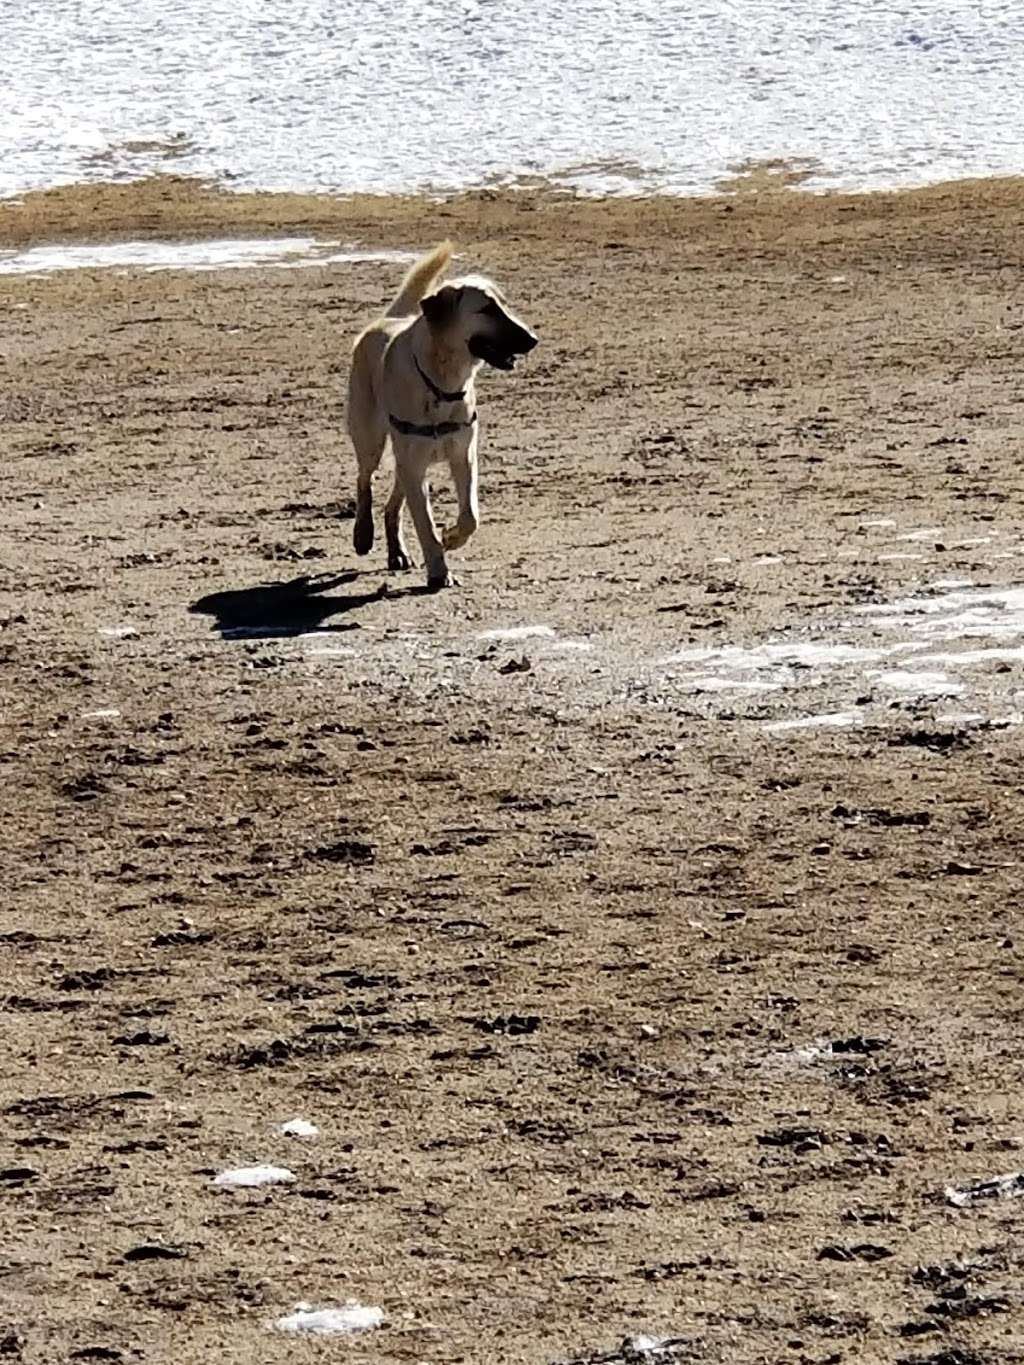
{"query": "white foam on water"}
[(288, 253), (301, 1128), (345, 1321), (517, 633), (833, 720), (252, 1177)]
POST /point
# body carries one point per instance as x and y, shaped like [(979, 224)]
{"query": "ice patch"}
[(833, 720), (568, 646), (887, 558), (710, 683), (953, 615), (796, 653), (1014, 654), (331, 652), (251, 1177), (925, 533), (878, 522), (301, 1128), (649, 1348), (345, 1321), (999, 1187), (287, 253), (517, 633), (105, 713), (921, 684), (119, 632)]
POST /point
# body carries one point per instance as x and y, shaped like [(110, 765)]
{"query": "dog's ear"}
[(439, 308)]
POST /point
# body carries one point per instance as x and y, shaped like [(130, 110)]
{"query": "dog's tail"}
[(418, 280)]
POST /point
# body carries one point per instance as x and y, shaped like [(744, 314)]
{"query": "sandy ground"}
[(623, 1004)]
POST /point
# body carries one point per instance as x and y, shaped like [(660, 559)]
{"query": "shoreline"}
[(182, 207)]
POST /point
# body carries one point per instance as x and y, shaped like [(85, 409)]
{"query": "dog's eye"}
[(491, 310)]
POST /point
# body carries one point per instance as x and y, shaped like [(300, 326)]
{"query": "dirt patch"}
[(640, 942)]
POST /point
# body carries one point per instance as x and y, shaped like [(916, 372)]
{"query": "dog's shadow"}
[(275, 610)]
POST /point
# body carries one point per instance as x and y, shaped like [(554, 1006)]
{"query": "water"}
[(422, 95)]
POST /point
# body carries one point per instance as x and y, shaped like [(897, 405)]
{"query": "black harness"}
[(439, 394), (435, 431)]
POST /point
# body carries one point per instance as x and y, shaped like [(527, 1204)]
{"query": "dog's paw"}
[(362, 535), (398, 560), (440, 581)]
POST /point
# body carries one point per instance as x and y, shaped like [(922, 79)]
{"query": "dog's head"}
[(474, 313)]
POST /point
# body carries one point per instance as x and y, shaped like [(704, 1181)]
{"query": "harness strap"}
[(439, 393), (432, 433)]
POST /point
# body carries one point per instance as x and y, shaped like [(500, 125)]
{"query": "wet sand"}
[(641, 941)]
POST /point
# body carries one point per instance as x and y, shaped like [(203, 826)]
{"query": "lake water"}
[(624, 97)]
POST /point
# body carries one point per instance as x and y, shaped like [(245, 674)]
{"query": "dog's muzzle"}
[(502, 351)]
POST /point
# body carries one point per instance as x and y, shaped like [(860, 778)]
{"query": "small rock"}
[(957, 869), (301, 1128), (18, 1175), (153, 1251), (144, 1038)]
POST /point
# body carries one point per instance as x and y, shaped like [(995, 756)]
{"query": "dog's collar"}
[(432, 433), (439, 394)]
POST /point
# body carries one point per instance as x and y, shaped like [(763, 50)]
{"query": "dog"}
[(412, 380)]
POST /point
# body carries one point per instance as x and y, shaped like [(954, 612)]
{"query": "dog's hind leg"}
[(362, 532), (368, 430), (398, 555)]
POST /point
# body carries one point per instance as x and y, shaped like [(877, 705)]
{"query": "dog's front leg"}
[(398, 555), (417, 494), (464, 476)]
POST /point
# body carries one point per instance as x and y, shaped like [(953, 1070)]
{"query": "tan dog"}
[(412, 380)]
